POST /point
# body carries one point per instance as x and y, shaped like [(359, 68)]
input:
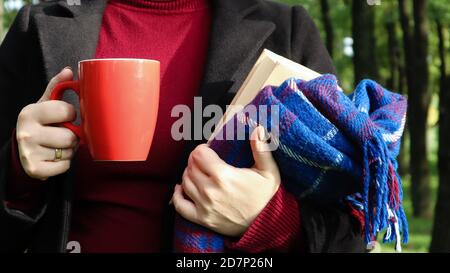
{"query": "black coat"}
[(47, 37)]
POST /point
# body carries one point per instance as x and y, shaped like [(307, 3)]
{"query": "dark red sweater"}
[(118, 206)]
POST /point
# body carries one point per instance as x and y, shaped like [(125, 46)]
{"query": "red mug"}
[(119, 101)]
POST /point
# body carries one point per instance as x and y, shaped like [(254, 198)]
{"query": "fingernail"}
[(261, 134), (67, 67), (171, 201)]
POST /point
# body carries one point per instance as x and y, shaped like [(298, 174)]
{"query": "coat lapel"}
[(235, 43), (81, 23)]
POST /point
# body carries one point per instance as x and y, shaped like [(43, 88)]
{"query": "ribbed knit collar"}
[(166, 5)]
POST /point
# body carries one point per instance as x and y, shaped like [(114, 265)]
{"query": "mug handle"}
[(57, 94)]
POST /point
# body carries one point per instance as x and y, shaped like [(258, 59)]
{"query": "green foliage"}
[(419, 228), (340, 13), (386, 12), (8, 18), (439, 9)]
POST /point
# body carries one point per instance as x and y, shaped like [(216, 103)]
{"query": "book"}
[(269, 69)]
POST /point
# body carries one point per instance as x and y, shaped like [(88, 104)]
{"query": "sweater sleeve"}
[(276, 229)]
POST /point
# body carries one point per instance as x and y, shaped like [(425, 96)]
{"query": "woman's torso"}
[(118, 206)]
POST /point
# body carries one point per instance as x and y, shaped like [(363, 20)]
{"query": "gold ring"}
[(58, 154)]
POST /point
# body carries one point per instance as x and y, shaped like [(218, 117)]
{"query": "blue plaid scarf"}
[(332, 148)]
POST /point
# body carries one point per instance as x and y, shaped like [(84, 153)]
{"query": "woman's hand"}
[(224, 198), (37, 139)]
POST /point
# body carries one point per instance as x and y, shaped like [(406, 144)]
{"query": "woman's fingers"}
[(190, 188), (199, 178), (207, 160), (65, 75), (56, 137), (49, 154), (53, 111), (43, 170), (37, 139), (183, 206), (262, 155)]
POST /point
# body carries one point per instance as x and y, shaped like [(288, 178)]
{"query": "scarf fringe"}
[(382, 195)]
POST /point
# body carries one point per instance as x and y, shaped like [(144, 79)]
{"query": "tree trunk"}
[(419, 102), (363, 28), (403, 163), (328, 25), (394, 56), (407, 75), (441, 232), (396, 83), (416, 54), (407, 43), (442, 58)]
